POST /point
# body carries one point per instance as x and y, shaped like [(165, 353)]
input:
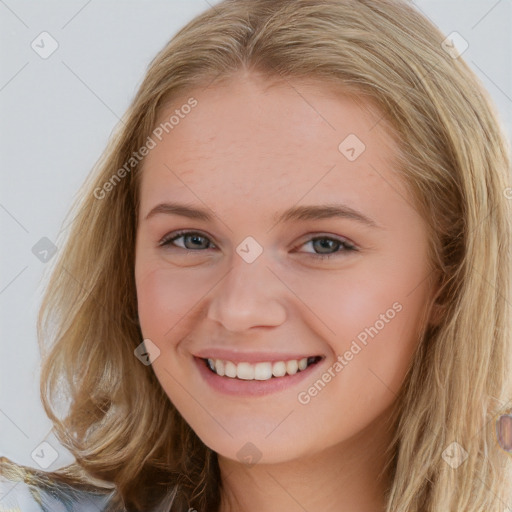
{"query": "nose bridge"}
[(249, 295)]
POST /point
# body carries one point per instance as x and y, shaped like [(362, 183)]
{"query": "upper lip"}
[(251, 357)]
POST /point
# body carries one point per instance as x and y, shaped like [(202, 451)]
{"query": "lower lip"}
[(239, 387)]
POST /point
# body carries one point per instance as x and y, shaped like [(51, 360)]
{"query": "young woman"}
[(287, 284)]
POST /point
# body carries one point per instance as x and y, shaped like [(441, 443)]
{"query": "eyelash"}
[(347, 246)]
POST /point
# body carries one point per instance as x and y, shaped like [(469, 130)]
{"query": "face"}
[(334, 299)]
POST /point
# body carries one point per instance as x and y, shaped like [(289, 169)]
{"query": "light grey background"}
[(56, 116)]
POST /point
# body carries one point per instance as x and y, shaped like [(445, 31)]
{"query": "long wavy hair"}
[(111, 412)]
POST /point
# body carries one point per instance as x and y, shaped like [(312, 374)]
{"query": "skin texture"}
[(247, 151)]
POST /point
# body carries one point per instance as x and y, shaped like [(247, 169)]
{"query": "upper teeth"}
[(258, 371)]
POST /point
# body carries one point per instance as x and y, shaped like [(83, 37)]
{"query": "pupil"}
[(325, 243), (195, 238)]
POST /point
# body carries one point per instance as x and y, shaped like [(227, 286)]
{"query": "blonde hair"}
[(110, 411)]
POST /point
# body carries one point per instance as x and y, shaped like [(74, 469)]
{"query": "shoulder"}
[(26, 489)]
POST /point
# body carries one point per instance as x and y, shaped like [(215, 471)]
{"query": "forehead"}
[(270, 141)]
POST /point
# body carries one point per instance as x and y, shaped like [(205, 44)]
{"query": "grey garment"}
[(24, 493)]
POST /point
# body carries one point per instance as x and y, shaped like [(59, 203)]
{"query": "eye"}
[(325, 244), (195, 241), (191, 238)]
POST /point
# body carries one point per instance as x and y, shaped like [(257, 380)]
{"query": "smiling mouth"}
[(260, 371)]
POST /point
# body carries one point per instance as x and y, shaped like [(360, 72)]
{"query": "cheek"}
[(165, 296), (374, 316), (376, 334), (350, 302)]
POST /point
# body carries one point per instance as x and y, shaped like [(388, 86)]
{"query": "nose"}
[(250, 295)]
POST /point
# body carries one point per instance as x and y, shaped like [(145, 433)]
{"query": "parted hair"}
[(111, 412)]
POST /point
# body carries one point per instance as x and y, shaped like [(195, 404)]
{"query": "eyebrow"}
[(295, 213)]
